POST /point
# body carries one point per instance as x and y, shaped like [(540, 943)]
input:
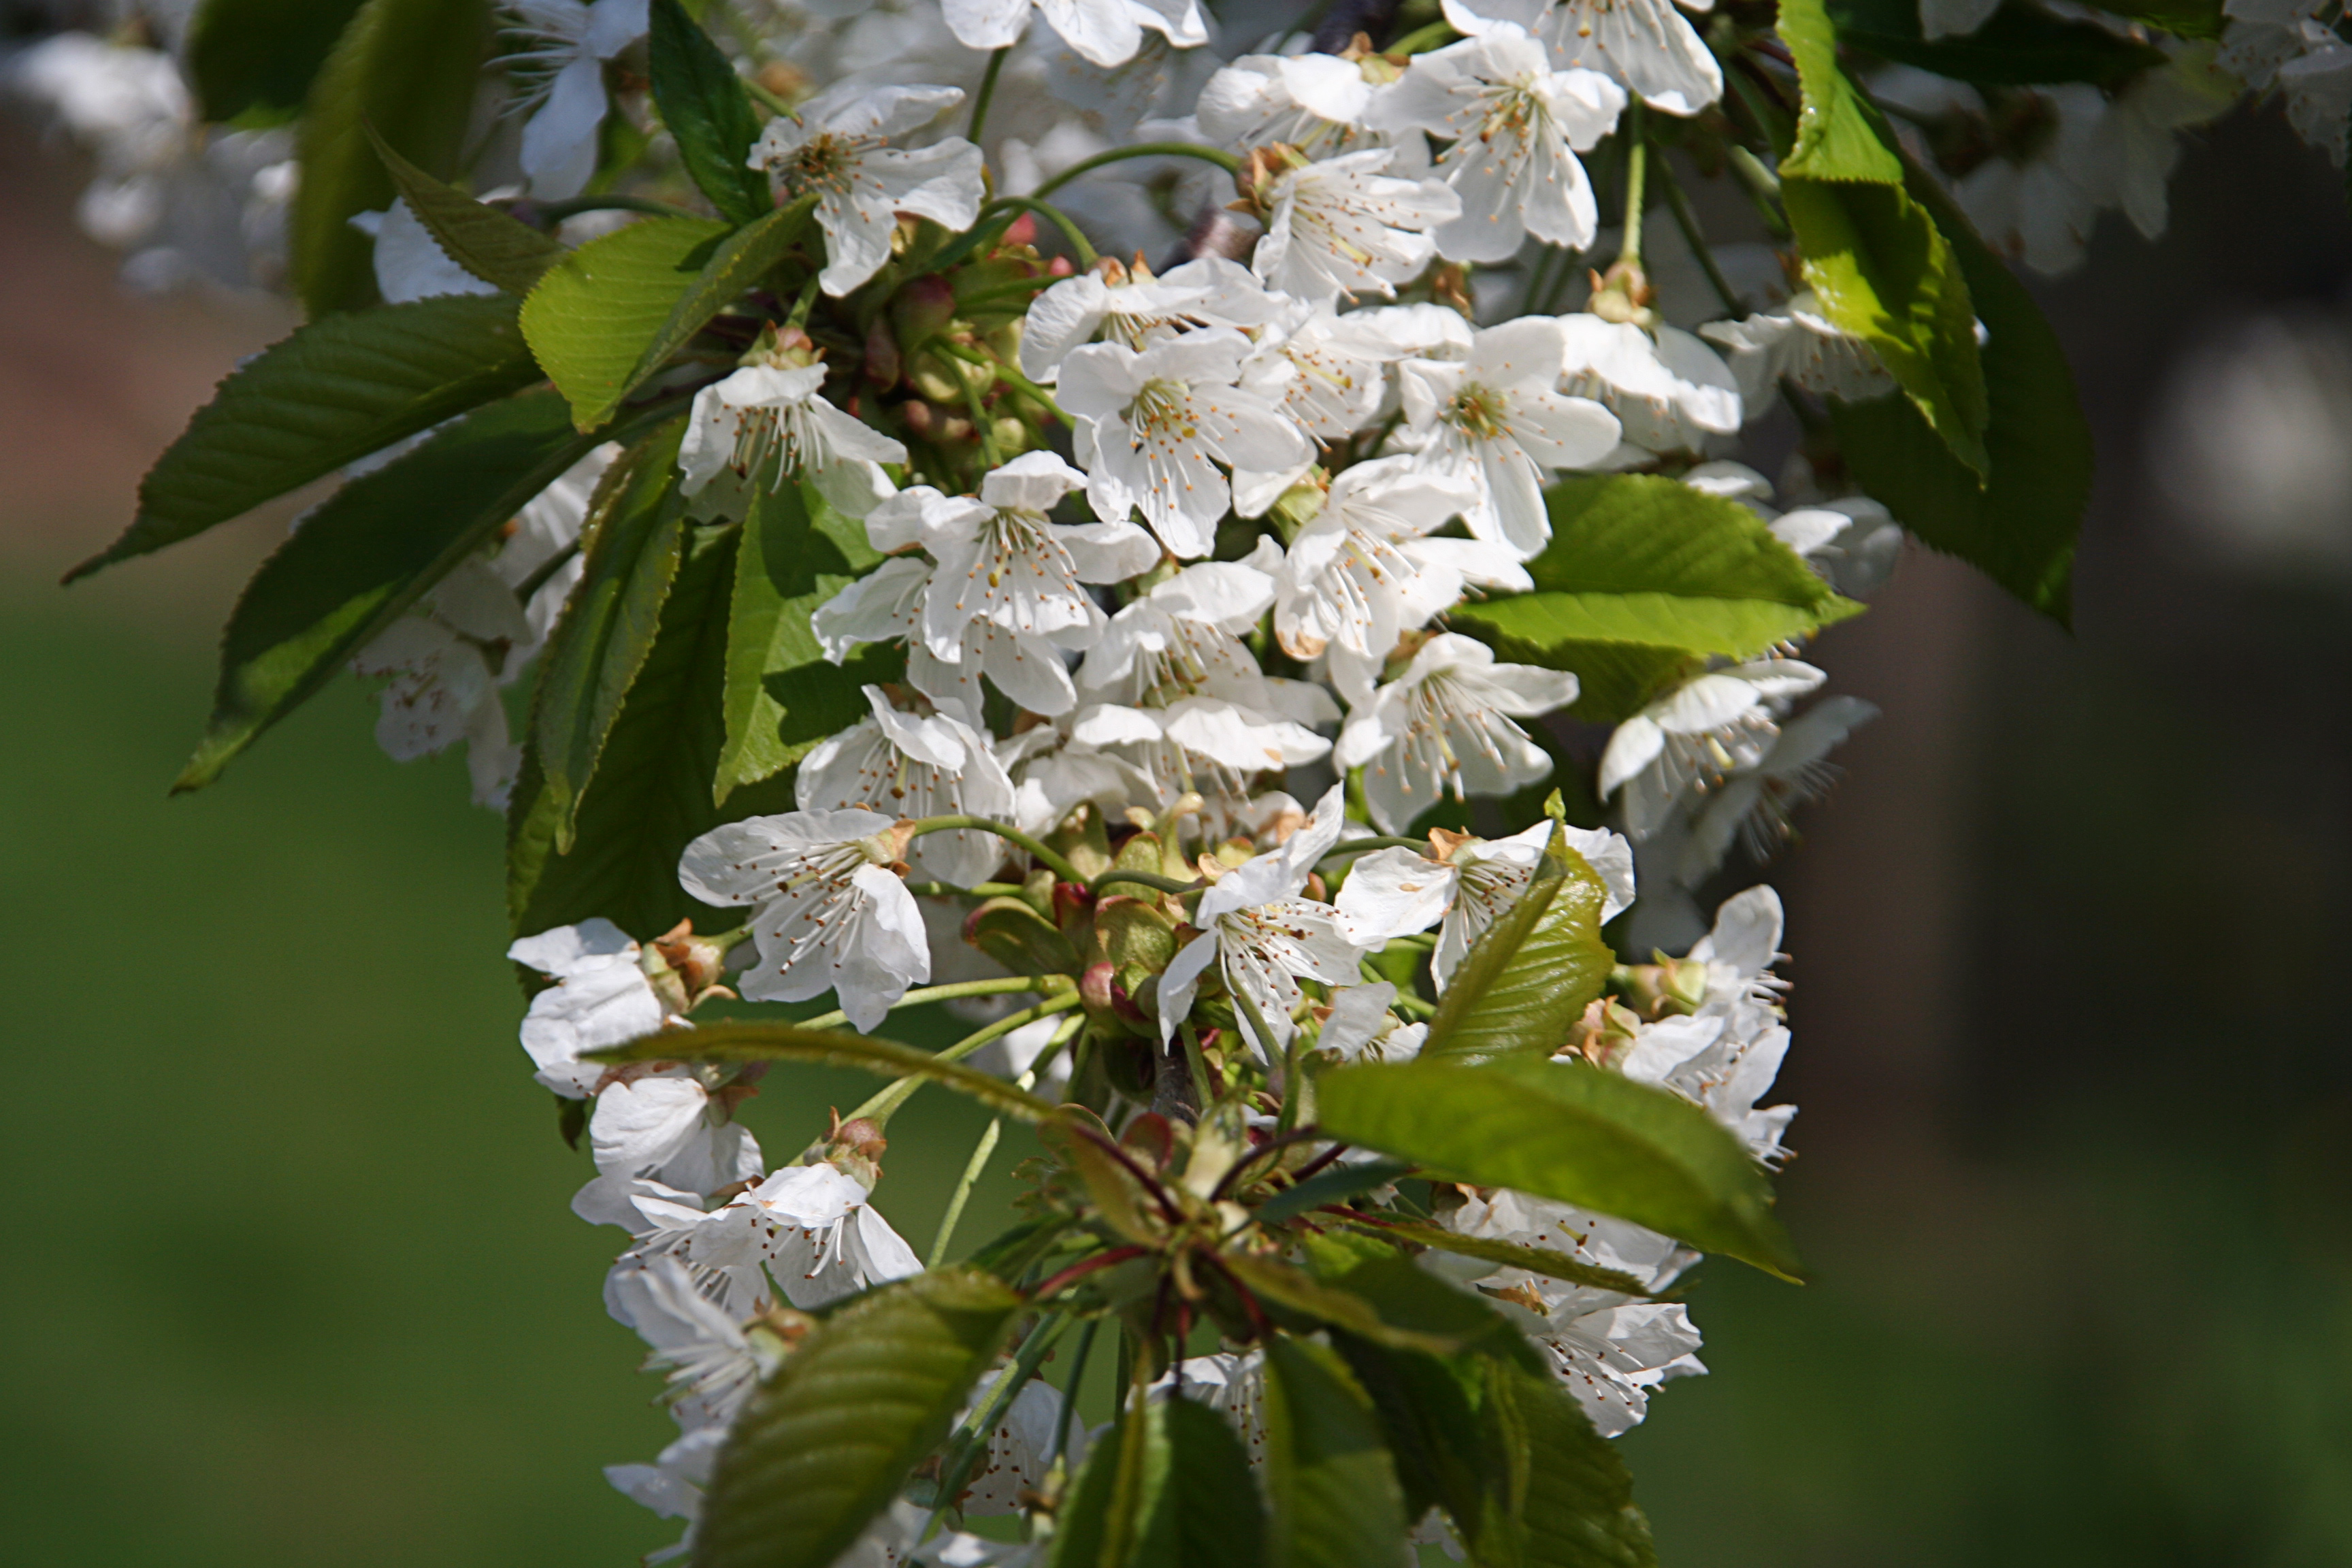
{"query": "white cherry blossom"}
[(1135, 307), (1669, 392), (672, 1124), (1464, 885), (1798, 344), (672, 1485), (1753, 806), (1345, 226), (601, 997), (1648, 45), (1364, 571), (914, 766), (1495, 419), (829, 914), (1707, 728), (1609, 1349), (1263, 938), (712, 1367), (1152, 426), (566, 45), (1359, 1027), (1019, 1445), (772, 424), (1516, 126), (1445, 725), (1316, 103), (1105, 32), (836, 152)]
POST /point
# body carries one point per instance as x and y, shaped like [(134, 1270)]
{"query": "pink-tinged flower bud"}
[(922, 306)]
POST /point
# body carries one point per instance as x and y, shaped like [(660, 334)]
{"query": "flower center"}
[(1478, 412)]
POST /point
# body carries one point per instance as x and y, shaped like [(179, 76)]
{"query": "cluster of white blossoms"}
[(1282, 464)]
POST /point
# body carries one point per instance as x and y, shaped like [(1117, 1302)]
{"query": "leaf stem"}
[(977, 891), (987, 94), (963, 1195), (995, 985), (1070, 231), (1013, 836), (1678, 203), (1222, 159), (1421, 39), (768, 101), (1147, 879), (1359, 846), (1070, 1389), (882, 1106), (1637, 167)]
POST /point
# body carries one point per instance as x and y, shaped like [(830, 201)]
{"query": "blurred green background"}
[(293, 1277)]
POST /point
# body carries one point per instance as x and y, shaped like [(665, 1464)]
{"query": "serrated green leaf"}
[(651, 796), (366, 554), (1277, 1283), (2020, 45), (336, 391), (1565, 1130), (253, 60), (740, 1042), (409, 67), (782, 696), (1570, 1502), (1644, 577), (1884, 273), (593, 314), (1533, 972), (1334, 1487), (2020, 528), (496, 247), (828, 1441), (708, 112), (1835, 138), (1427, 1407), (1509, 1255), (1170, 1488), (608, 627), (1366, 1264)]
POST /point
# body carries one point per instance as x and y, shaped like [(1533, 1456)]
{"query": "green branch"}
[(1013, 836), (1222, 159)]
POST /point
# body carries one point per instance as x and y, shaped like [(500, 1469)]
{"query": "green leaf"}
[(738, 1042), (1836, 139), (608, 627), (370, 551), (252, 60), (1884, 273), (494, 247), (2020, 45), (1507, 1255), (1569, 1499), (1364, 1264), (708, 112), (337, 390), (1335, 1185), (1532, 972), (1334, 1487), (1567, 1131), (1170, 1488), (828, 1441), (1644, 577), (651, 794), (409, 67), (593, 315), (2020, 528), (782, 696), (1300, 1296), (1430, 1422)]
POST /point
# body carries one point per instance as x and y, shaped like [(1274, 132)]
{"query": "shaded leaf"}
[(2020, 45), (1335, 1185), (782, 696), (2020, 528), (1570, 1501), (651, 794), (253, 60), (608, 627), (336, 391), (1277, 1283), (1533, 972), (593, 314), (743, 1042), (1169, 1487), (1644, 576), (496, 247), (828, 1441), (409, 67), (1565, 1130), (1334, 1487), (370, 551), (705, 109), (1366, 1264)]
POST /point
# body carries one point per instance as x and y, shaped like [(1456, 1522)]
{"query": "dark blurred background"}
[(292, 1278)]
